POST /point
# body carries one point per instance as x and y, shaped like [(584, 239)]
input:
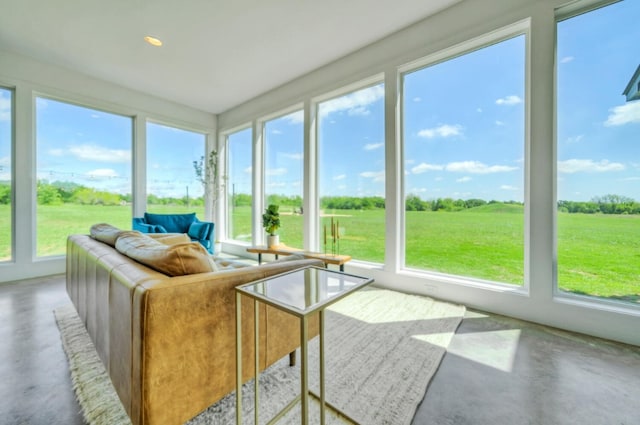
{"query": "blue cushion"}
[(172, 223), (158, 228), (199, 230)]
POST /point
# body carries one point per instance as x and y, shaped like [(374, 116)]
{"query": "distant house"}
[(633, 88)]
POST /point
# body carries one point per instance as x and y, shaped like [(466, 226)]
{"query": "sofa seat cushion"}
[(171, 223), (173, 260)]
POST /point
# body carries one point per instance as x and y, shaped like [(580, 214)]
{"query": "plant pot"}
[(273, 240)]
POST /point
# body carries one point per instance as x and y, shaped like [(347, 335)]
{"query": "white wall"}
[(30, 78), (538, 300)]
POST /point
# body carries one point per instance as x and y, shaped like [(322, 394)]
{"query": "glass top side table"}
[(301, 293)]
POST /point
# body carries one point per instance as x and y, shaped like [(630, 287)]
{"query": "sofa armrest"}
[(139, 224), (202, 231), (184, 339)]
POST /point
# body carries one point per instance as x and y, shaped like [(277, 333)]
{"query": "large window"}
[(284, 147), (6, 142), (598, 152), (464, 164), (351, 174), (176, 170), (239, 189), (83, 172)]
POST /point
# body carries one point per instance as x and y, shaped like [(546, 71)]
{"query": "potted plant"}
[(271, 223)]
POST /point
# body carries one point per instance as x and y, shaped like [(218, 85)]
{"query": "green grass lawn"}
[(597, 254)]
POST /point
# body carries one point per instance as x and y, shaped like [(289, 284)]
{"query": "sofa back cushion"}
[(169, 238), (172, 223), (173, 260), (106, 233)]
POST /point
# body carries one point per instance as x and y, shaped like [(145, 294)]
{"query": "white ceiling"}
[(216, 54)]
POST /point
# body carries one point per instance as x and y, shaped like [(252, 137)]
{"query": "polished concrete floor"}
[(497, 370)]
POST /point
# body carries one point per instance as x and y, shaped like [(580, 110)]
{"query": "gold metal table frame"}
[(322, 288), (335, 259)]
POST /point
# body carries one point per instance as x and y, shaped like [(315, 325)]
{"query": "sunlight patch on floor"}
[(496, 349), (439, 339)]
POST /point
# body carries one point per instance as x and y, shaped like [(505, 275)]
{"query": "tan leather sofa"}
[(168, 343)]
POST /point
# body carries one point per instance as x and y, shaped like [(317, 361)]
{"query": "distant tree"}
[(413, 203), (48, 194), (5, 194), (472, 203)]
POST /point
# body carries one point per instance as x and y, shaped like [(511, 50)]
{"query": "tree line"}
[(57, 193)]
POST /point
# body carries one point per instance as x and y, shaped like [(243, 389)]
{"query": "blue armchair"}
[(200, 231)]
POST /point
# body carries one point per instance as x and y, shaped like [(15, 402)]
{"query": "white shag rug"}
[(381, 350)]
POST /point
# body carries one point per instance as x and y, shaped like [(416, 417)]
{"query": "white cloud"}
[(340, 177), (295, 118), (444, 130), (629, 179), (95, 115), (101, 173), (5, 109), (588, 165), (275, 131), (355, 103), (509, 100), (377, 176), (479, 110), (296, 156), (248, 170), (508, 187), (424, 167), (360, 110), (461, 194), (464, 179), (276, 184), (475, 167), (624, 114), (5, 161), (567, 59), (56, 152), (417, 190), (100, 153), (42, 103), (373, 146), (417, 99), (500, 123), (410, 161), (575, 139), (276, 171)]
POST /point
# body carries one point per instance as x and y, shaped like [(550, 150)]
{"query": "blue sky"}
[(463, 129)]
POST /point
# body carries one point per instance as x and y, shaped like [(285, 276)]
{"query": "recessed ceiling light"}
[(153, 41)]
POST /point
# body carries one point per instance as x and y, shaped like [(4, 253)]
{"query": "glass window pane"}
[(284, 147), (464, 154), (351, 170), (598, 170), (83, 168), (6, 186), (173, 160), (239, 185)]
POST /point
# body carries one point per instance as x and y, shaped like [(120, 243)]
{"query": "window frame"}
[(12, 187), (361, 84), (34, 185), (261, 126), (224, 165), (563, 13), (519, 28)]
